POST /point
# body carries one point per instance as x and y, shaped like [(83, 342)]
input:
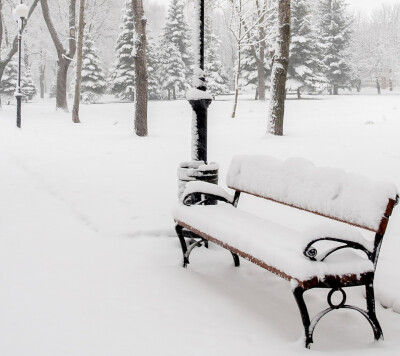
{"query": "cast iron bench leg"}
[(370, 296), (179, 232), (298, 295)]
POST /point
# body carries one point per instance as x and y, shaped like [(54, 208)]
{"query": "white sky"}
[(366, 5)]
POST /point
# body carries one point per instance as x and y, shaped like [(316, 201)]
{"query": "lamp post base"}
[(196, 170)]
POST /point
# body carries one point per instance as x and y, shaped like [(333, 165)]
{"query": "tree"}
[(153, 64), (93, 84), (79, 60), (53, 89), (258, 42), (9, 80), (375, 48), (248, 19), (249, 72), (64, 55), (304, 66), (217, 79), (236, 27), (280, 63), (139, 54), (10, 47), (28, 86), (334, 39), (177, 32), (123, 76), (172, 70)]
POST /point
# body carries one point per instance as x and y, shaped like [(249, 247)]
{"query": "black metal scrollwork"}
[(199, 198), (342, 303), (312, 253)]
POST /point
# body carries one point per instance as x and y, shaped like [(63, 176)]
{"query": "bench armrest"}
[(335, 238), (197, 193), (312, 253)]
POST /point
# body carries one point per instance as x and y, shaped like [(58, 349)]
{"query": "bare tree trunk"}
[(64, 57), (378, 86), (238, 66), (279, 70), (261, 7), (78, 81), (235, 102), (42, 79), (261, 78), (335, 89), (298, 93), (61, 91), (141, 83)]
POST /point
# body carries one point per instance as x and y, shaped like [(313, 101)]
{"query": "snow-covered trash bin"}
[(196, 171)]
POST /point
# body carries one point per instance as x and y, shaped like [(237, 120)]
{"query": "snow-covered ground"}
[(89, 260)]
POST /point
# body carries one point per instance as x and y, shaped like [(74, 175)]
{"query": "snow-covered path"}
[(90, 265)]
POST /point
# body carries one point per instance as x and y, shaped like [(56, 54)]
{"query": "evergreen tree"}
[(304, 66), (123, 76), (9, 80), (93, 82), (28, 87), (177, 32), (153, 64), (172, 71), (217, 79), (248, 68), (334, 38)]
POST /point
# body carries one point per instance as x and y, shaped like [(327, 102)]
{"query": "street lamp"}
[(20, 13), (198, 168)]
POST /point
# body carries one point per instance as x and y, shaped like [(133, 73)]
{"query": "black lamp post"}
[(20, 13), (198, 168)]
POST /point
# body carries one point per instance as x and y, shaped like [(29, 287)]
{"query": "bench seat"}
[(275, 247)]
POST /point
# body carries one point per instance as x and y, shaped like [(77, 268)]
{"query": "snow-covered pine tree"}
[(177, 32), (304, 66), (9, 81), (172, 71), (93, 83), (248, 68), (153, 64), (217, 79), (334, 39), (28, 86), (123, 76)]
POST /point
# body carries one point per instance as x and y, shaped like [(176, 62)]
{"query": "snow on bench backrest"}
[(298, 182)]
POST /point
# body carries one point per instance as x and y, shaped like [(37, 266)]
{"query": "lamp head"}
[(21, 11)]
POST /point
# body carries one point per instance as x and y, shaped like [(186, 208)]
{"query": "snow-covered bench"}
[(347, 258)]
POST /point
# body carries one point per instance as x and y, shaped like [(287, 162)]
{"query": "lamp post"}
[(198, 168), (20, 13)]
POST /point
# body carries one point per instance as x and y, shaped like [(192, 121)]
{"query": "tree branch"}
[(53, 33)]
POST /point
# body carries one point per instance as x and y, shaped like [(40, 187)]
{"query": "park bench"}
[(344, 258)]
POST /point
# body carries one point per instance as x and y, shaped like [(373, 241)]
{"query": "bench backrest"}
[(333, 193)]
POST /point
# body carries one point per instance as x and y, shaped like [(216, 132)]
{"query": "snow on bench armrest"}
[(206, 188), (331, 238), (327, 191)]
